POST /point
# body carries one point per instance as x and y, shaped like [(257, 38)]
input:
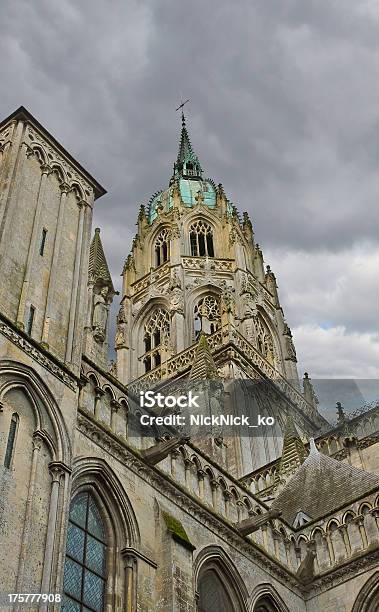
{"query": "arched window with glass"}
[(156, 334), (207, 317), (86, 550), (201, 239), (162, 247)]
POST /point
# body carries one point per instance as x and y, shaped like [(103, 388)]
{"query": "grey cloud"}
[(284, 112)]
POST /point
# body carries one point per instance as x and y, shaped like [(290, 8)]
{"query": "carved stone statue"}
[(227, 300), (248, 310), (175, 282), (122, 326), (100, 315), (290, 347), (176, 301), (176, 296)]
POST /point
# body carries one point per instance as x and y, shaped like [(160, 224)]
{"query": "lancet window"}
[(156, 334), (85, 565), (201, 239)]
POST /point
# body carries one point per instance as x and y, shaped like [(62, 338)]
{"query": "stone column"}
[(83, 381), (227, 497), (75, 282), (174, 455), (114, 410), (200, 476), (330, 548), (55, 263), (287, 545), (276, 537), (345, 537), (56, 470), (37, 445), (46, 170), (187, 467), (99, 394), (265, 537), (16, 156), (214, 486), (375, 514), (362, 531), (130, 565), (81, 320)]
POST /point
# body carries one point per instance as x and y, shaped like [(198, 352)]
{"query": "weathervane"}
[(181, 105)]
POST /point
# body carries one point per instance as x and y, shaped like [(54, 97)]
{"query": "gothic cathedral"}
[(96, 516)]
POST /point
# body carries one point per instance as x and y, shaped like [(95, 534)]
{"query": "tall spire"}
[(98, 270), (187, 163)]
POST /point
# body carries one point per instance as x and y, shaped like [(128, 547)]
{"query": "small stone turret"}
[(100, 296)]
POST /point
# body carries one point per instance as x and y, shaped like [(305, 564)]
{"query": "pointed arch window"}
[(9, 453), (201, 239), (162, 247), (85, 565), (213, 595), (156, 334), (266, 604), (207, 315)]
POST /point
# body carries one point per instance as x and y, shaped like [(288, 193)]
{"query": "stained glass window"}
[(85, 568)]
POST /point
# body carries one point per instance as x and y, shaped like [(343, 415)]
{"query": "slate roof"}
[(321, 485)]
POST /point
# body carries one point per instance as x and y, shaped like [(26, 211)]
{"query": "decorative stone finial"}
[(341, 413)]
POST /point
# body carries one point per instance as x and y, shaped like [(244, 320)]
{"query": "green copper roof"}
[(188, 175)]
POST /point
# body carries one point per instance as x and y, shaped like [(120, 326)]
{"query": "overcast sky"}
[(284, 112)]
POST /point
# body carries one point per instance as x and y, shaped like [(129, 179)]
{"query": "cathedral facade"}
[(102, 518)]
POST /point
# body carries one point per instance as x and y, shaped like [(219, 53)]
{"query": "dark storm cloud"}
[(284, 112)]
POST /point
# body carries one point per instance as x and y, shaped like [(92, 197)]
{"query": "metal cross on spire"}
[(181, 105)]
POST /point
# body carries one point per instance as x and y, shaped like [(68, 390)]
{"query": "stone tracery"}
[(156, 337)]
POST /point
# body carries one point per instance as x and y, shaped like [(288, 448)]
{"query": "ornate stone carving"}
[(48, 154), (290, 347), (228, 300), (100, 315), (38, 356), (121, 338)]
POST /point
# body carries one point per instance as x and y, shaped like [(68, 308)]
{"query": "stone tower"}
[(195, 267), (46, 205)]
